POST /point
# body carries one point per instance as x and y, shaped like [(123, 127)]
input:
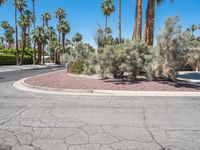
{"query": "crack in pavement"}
[(149, 131), (21, 112)]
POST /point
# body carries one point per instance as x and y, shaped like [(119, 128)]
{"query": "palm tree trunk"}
[(139, 19), (119, 21), (134, 36), (58, 53), (39, 53), (16, 37), (23, 44), (34, 49), (151, 22), (43, 46), (146, 27), (63, 47), (106, 22)]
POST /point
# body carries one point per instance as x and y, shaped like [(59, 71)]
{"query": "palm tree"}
[(63, 28), (60, 15), (23, 23), (119, 21), (2, 2), (193, 28), (150, 21), (52, 40), (30, 18), (47, 17), (34, 50), (39, 36), (9, 36), (2, 39), (107, 7), (139, 19), (137, 30), (19, 6), (5, 25), (77, 38)]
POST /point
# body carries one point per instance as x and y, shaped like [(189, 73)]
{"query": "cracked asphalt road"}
[(30, 121)]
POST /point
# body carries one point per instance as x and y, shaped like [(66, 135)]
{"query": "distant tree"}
[(24, 23), (107, 7), (39, 36), (77, 37), (63, 28)]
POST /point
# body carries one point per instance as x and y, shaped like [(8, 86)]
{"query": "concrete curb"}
[(21, 85)]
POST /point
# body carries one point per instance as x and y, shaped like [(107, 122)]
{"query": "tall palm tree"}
[(119, 21), (137, 30), (2, 2), (150, 21), (107, 7), (34, 26), (139, 19), (47, 17), (39, 37), (30, 18), (60, 15), (9, 36), (52, 42), (19, 6), (193, 28), (23, 23), (63, 28)]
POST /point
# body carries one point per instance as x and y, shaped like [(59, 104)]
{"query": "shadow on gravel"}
[(179, 84)]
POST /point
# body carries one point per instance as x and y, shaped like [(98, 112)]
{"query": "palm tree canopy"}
[(46, 17), (2, 2), (5, 25), (60, 14), (107, 7), (20, 5), (77, 37), (24, 21), (29, 15), (39, 35), (63, 27)]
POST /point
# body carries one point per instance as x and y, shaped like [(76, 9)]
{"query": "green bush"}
[(121, 60), (11, 60), (76, 67)]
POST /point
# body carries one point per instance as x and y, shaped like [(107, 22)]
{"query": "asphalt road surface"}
[(19, 74), (30, 121)]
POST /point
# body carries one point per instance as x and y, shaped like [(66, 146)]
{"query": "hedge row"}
[(11, 60)]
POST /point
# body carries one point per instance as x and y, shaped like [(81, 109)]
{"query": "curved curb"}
[(21, 85)]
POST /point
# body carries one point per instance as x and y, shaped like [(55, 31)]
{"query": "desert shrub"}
[(121, 60), (170, 55), (193, 55), (76, 67)]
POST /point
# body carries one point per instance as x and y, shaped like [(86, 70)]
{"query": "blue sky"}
[(85, 15)]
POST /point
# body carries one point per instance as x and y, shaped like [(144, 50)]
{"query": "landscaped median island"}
[(64, 80)]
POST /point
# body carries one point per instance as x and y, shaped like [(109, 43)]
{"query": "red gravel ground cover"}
[(62, 80)]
